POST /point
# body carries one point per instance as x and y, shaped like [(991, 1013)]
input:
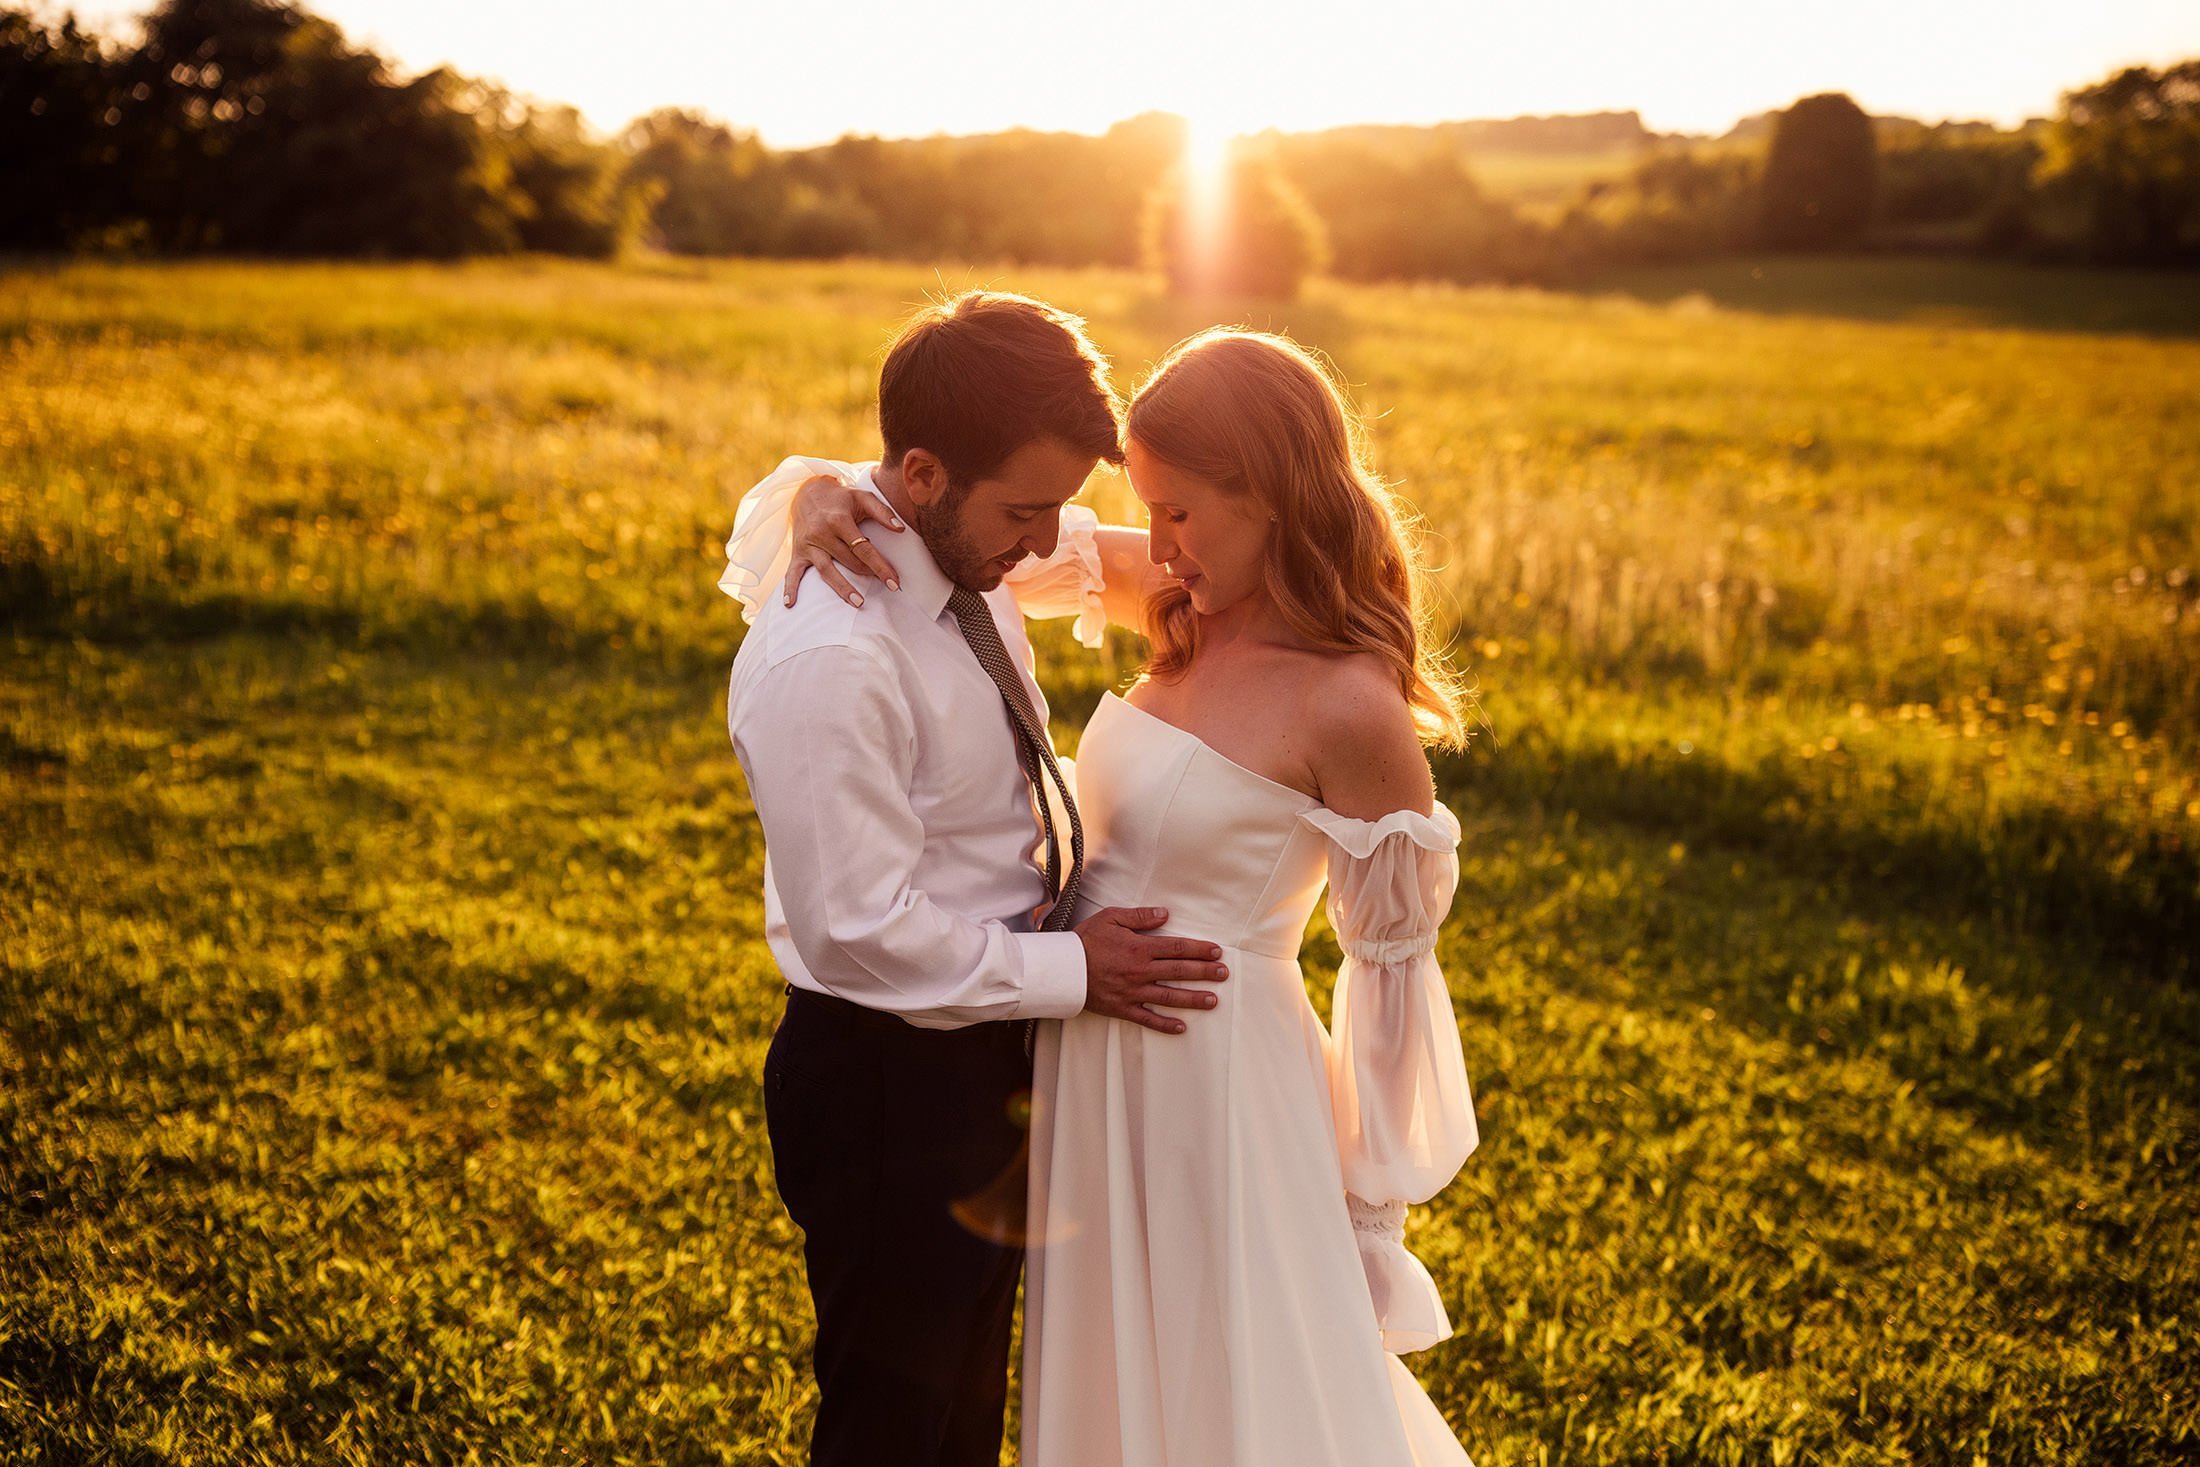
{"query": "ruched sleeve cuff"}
[(1408, 1308), (1070, 581), (757, 553)]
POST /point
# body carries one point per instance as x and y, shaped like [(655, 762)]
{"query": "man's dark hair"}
[(975, 378)]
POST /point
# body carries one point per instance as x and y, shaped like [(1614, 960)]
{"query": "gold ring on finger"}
[(860, 540)]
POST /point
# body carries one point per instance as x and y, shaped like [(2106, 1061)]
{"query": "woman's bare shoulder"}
[(1366, 748)]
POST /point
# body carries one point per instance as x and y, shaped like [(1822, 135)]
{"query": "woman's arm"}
[(826, 527), (1131, 575)]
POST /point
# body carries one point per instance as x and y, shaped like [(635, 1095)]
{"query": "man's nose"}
[(1042, 548)]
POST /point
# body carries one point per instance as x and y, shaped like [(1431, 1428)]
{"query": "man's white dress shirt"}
[(900, 835)]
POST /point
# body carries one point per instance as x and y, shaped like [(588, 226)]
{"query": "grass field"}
[(381, 999)]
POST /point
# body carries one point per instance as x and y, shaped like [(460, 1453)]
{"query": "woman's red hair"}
[(1255, 414)]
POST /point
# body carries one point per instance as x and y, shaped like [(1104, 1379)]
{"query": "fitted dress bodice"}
[(1171, 823)]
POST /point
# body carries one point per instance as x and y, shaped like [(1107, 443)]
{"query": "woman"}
[(1212, 1213)]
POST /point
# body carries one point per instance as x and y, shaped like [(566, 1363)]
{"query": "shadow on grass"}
[(2052, 874), (124, 617), (2001, 995), (1928, 292)]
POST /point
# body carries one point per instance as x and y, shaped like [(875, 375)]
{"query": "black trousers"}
[(894, 1149)]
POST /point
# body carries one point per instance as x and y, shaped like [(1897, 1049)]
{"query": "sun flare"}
[(1206, 160), (1206, 154)]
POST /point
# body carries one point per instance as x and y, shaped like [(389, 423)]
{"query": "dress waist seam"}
[(1184, 925)]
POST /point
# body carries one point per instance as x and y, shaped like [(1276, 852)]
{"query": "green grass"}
[(381, 999)]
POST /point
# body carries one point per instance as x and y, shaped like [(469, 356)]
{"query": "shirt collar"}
[(923, 584)]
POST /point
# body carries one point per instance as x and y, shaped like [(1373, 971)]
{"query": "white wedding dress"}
[(1199, 1291), (1218, 1274)]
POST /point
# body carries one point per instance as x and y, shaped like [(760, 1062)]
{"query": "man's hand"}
[(1126, 971), (824, 528)]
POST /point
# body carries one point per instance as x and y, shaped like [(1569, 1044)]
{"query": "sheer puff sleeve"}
[(1068, 582), (1397, 1075), (757, 553)]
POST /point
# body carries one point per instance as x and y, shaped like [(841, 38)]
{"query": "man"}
[(897, 753)]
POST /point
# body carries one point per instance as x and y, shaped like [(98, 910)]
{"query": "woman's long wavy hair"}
[(1259, 415)]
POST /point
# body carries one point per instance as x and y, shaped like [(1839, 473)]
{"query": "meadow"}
[(382, 1002)]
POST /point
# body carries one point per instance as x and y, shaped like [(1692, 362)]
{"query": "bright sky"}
[(806, 71)]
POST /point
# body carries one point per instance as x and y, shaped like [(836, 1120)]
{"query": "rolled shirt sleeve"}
[(829, 750)]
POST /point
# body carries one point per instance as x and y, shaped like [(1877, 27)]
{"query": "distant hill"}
[(1588, 132)]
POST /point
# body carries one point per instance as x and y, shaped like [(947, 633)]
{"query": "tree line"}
[(256, 127)]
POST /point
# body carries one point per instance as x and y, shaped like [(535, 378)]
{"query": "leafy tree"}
[(1678, 204), (1941, 175), (1820, 175), (1406, 208), (575, 193), (264, 131), (2129, 149), (713, 191), (62, 165)]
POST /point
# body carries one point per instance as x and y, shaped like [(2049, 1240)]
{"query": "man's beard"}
[(958, 558)]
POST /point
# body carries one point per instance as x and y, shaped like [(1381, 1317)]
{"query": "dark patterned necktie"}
[(1032, 751)]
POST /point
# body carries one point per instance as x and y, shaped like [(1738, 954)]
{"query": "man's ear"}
[(924, 477)]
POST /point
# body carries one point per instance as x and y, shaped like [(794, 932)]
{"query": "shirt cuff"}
[(1054, 975)]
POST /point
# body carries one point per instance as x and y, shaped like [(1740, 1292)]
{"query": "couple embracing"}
[(1048, 1020)]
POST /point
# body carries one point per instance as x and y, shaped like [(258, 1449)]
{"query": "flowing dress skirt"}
[(1194, 1295)]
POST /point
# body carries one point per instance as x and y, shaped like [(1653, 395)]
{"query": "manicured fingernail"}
[(897, 524), (892, 584), (855, 598)]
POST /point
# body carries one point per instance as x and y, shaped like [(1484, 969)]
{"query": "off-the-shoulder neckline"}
[(1435, 832), (1277, 785)]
